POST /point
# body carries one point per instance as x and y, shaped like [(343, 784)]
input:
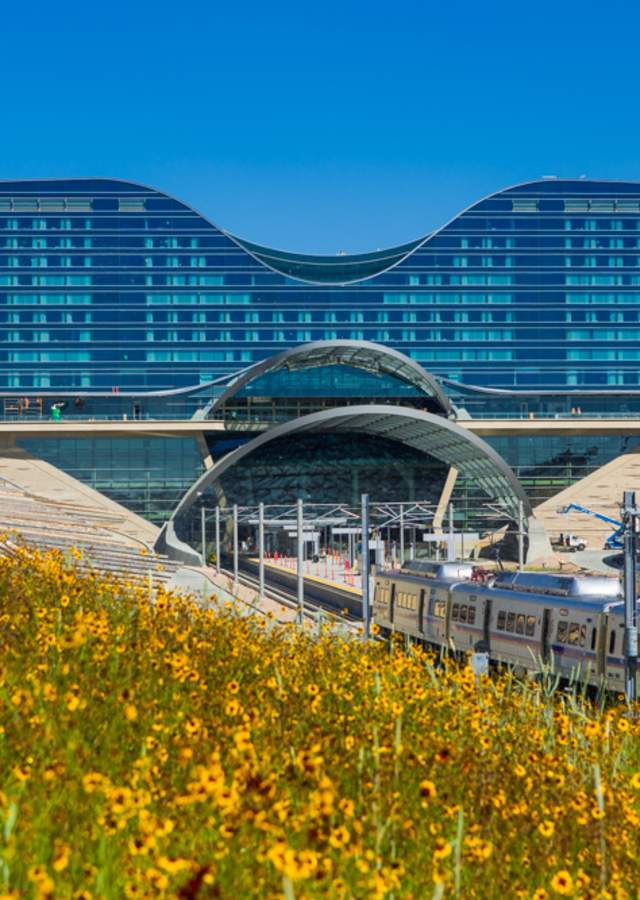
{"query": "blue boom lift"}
[(614, 541)]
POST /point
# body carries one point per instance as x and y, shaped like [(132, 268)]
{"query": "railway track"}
[(318, 597)]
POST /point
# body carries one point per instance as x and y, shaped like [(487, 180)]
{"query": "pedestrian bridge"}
[(117, 428)]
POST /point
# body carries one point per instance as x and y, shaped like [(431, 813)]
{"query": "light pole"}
[(261, 550), (203, 529), (520, 536), (451, 552), (218, 567), (366, 605), (300, 561), (629, 517), (235, 546)]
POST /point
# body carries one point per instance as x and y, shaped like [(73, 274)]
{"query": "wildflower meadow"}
[(153, 748)]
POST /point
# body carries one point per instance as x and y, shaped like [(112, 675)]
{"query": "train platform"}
[(330, 571)]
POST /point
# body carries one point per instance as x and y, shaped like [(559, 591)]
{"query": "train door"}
[(545, 636), (392, 604), (486, 624), (601, 645), (421, 611)]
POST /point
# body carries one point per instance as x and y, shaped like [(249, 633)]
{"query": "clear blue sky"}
[(321, 126)]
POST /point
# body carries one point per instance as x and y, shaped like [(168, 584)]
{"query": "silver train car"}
[(519, 618)]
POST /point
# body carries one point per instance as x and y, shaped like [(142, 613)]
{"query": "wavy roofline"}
[(418, 244)]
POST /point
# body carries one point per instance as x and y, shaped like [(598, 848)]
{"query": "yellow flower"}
[(61, 853), (635, 781), (442, 849), (232, 708), (141, 844), (92, 781), (546, 828), (157, 879), (427, 790), (173, 864), (339, 837), (347, 807), (120, 799), (562, 883), (292, 864), (130, 712)]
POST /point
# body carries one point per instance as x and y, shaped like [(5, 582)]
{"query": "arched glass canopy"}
[(310, 371), (438, 438)]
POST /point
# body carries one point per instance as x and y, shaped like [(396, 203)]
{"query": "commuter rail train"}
[(520, 618)]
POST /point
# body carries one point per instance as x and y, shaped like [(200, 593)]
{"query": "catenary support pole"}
[(630, 517), (366, 603), (300, 561), (401, 535), (520, 536), (235, 546), (218, 566), (203, 531), (451, 550), (261, 551)]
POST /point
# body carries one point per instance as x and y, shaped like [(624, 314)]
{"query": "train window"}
[(574, 633), (502, 620), (531, 625), (439, 609), (612, 641), (520, 623), (472, 615), (583, 635), (593, 638), (511, 621), (463, 613), (563, 628), (455, 611)]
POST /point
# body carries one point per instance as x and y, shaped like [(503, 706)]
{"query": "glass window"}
[(520, 623), (574, 633), (502, 620), (463, 613), (563, 630), (511, 621), (531, 625), (583, 635), (455, 611), (472, 615), (612, 641)]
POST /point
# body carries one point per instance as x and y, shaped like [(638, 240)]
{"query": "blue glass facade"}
[(109, 284), (526, 303)]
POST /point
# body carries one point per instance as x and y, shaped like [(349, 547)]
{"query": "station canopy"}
[(436, 437)]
